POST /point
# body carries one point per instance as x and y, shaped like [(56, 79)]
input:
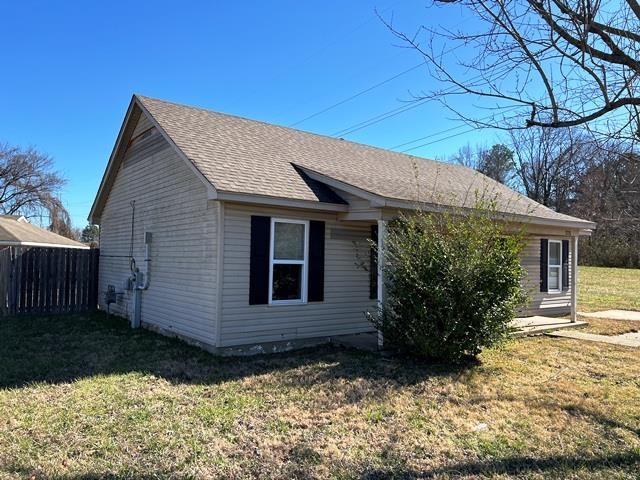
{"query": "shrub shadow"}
[(520, 466), (65, 348), (556, 466)]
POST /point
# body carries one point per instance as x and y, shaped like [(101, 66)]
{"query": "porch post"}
[(382, 233), (574, 280)]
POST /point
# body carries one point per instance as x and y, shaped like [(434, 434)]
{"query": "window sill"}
[(279, 303)]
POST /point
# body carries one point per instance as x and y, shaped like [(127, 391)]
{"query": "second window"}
[(555, 266)]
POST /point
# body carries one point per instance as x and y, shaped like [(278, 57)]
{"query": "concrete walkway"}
[(626, 340), (613, 315), (537, 325)]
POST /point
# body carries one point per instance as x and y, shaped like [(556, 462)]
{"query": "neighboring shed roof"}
[(242, 156), (16, 230)]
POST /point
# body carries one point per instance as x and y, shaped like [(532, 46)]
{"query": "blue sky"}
[(70, 68)]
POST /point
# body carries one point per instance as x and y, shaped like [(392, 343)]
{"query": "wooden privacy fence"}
[(38, 280)]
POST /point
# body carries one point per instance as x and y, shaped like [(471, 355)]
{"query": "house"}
[(240, 235), (16, 231)]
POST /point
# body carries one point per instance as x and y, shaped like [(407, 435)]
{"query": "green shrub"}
[(453, 283)]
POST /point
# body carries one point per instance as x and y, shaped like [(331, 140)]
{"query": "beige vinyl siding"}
[(543, 303), (144, 124), (171, 203), (356, 204), (346, 285)]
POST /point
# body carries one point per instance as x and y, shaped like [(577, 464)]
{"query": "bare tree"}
[(495, 162), (609, 193), (609, 189), (540, 63), (60, 221), (549, 162), (29, 186), (468, 156)]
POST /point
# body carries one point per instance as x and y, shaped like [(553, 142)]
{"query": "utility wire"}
[(392, 113), (447, 130), (439, 140), (457, 135), (331, 107), (379, 118), (362, 92)]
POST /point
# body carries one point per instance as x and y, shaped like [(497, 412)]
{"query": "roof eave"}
[(94, 216), (281, 201), (18, 243), (379, 201)]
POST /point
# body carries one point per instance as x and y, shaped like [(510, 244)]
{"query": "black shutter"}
[(544, 264), (315, 286), (373, 265), (565, 265), (259, 260)]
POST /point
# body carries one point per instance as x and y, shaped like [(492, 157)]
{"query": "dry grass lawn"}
[(606, 288), (606, 326), (85, 397)]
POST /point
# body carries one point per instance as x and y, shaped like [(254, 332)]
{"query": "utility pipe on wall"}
[(140, 287)]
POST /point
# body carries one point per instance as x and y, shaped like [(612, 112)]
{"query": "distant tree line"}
[(561, 79), (568, 171)]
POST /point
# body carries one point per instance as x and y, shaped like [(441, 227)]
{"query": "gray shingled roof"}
[(14, 230), (239, 155)]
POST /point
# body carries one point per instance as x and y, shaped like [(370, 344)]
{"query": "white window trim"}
[(304, 262), (558, 266)]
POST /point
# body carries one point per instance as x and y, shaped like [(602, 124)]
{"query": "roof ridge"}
[(305, 132)]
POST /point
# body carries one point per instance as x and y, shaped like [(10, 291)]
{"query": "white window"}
[(554, 278), (289, 253)]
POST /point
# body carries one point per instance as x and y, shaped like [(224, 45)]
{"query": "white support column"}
[(574, 280), (382, 233)]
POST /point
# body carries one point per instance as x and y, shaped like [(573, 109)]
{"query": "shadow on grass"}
[(560, 466), (580, 411), (60, 349), (557, 466)]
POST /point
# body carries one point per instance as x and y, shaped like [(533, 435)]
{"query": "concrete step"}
[(540, 325)]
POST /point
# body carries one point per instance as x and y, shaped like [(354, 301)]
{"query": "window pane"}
[(554, 278), (287, 282), (289, 241), (554, 253)]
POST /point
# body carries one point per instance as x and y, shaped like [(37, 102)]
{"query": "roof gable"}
[(135, 125)]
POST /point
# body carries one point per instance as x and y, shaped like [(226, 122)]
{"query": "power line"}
[(439, 140), (379, 118), (457, 135), (331, 107), (392, 113), (435, 141), (362, 92), (451, 129)]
